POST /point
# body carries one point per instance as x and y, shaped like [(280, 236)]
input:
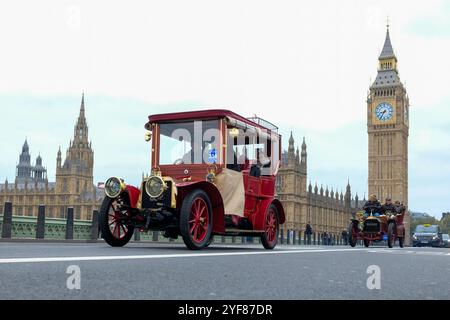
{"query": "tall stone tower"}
[(388, 129), (75, 175), (24, 169)]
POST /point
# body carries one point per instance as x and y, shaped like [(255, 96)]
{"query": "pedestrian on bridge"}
[(308, 232)]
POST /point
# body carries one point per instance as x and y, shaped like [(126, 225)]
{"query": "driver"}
[(373, 205), (388, 206)]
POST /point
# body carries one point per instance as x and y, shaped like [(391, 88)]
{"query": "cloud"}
[(435, 24)]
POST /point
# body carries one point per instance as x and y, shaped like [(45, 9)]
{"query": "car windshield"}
[(445, 236), (190, 142), (426, 229)]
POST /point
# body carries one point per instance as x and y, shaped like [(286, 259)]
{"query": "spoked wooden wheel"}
[(199, 215), (269, 238), (196, 220), (113, 225)]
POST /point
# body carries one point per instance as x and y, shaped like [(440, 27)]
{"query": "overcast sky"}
[(305, 66)]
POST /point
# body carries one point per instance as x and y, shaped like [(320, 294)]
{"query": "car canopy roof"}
[(232, 118)]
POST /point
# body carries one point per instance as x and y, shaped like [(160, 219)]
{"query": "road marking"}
[(162, 256), (399, 251)]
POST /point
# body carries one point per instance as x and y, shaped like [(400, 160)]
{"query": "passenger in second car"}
[(372, 206), (388, 206)]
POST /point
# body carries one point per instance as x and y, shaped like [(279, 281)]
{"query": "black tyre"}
[(352, 235), (112, 224), (366, 243), (391, 234), (401, 241), (269, 238), (211, 239), (196, 220)]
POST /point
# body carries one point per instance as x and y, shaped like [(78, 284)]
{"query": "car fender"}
[(401, 230), (133, 195), (259, 219), (214, 196)]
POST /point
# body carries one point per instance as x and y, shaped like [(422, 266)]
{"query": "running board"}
[(242, 232)]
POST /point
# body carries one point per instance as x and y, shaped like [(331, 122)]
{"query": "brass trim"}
[(173, 198)]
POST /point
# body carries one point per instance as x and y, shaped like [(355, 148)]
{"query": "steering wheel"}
[(178, 162)]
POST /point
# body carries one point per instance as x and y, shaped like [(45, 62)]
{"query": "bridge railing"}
[(42, 227)]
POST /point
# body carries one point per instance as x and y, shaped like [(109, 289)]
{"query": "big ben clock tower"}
[(388, 129)]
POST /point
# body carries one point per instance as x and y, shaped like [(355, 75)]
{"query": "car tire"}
[(115, 233), (352, 236), (401, 242), (196, 220), (366, 243), (269, 238), (391, 234), (211, 239)]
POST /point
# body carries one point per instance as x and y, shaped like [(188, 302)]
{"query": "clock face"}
[(384, 111)]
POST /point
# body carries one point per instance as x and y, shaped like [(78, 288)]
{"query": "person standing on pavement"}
[(345, 237), (308, 232)]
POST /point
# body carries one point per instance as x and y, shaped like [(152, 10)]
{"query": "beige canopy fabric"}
[(231, 187)]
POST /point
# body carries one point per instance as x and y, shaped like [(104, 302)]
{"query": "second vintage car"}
[(388, 226), (213, 172)]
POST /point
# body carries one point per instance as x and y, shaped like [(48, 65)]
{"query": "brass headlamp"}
[(148, 136), (114, 186)]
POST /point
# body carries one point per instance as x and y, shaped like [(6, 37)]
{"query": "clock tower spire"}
[(388, 129)]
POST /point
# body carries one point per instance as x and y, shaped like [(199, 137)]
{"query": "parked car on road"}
[(445, 240)]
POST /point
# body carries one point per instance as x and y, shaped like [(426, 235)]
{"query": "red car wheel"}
[(269, 238), (112, 224), (196, 220)]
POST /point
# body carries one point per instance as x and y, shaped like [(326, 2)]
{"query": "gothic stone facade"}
[(74, 180), (327, 210)]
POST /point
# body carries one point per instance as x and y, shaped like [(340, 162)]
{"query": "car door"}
[(252, 191)]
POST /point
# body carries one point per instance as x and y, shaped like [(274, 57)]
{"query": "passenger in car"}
[(388, 206), (372, 206)]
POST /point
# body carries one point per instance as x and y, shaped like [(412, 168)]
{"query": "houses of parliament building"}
[(73, 186)]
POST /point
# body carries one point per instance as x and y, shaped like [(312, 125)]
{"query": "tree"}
[(445, 222), (423, 220)]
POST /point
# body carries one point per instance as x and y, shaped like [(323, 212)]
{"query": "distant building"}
[(327, 210), (73, 186), (419, 215)]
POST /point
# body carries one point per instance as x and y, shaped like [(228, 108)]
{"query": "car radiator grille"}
[(163, 201), (371, 225)]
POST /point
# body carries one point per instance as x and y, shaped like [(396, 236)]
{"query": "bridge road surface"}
[(170, 271)]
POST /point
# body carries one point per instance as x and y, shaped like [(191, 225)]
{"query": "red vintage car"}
[(213, 172), (377, 227)]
